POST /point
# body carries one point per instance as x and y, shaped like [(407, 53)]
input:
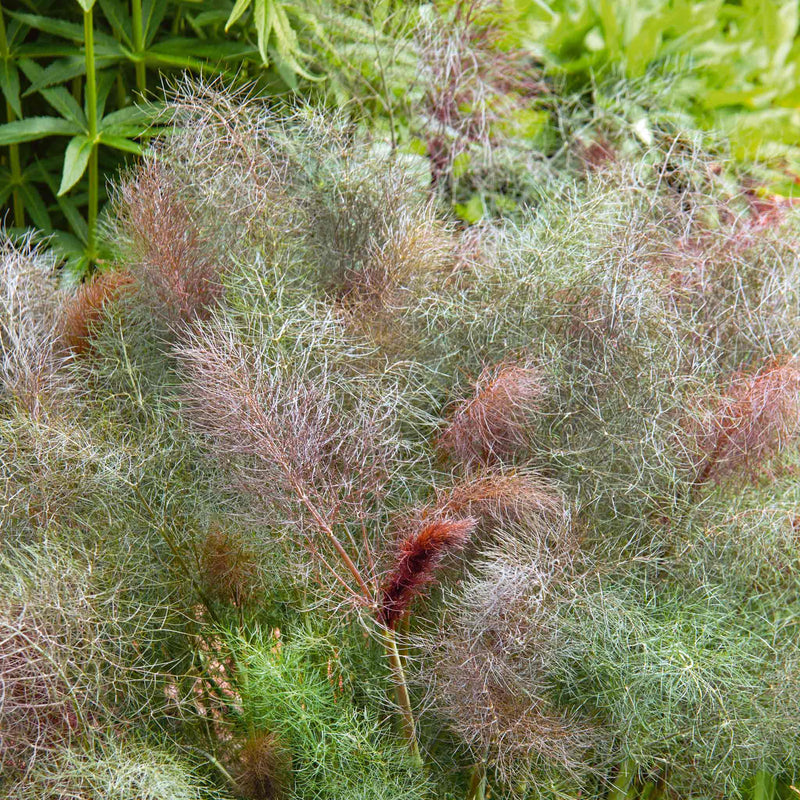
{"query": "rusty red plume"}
[(418, 558)]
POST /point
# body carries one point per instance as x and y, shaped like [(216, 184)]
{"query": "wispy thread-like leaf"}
[(83, 311), (755, 419), (29, 303), (174, 265), (491, 425), (295, 439)]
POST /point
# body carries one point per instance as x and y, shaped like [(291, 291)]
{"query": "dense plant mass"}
[(314, 491), (476, 87)]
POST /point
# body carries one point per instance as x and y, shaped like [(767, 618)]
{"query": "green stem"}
[(401, 693), (13, 149), (91, 117), (477, 782), (94, 185), (119, 88), (222, 771), (648, 791), (138, 46), (16, 176), (625, 777)]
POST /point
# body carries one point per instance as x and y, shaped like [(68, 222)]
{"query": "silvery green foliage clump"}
[(318, 429), (28, 326), (112, 770)]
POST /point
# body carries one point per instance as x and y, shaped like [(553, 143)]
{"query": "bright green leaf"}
[(238, 9), (9, 85), (285, 37), (76, 159), (119, 20), (764, 785), (122, 143), (461, 164), (285, 69), (473, 210), (59, 98), (262, 18), (32, 128)]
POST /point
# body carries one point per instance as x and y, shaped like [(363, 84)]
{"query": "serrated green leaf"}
[(32, 128), (76, 159), (159, 59), (212, 17), (285, 37), (238, 9), (129, 123), (69, 30), (215, 51), (118, 19), (56, 27), (105, 81), (15, 34), (122, 143), (133, 131), (35, 206), (47, 49), (59, 98), (58, 72), (111, 52), (153, 12), (287, 61), (66, 69), (127, 116), (262, 21), (9, 85), (285, 70)]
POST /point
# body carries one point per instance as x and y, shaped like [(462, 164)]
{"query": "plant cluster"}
[(490, 98), (315, 493), (737, 61), (82, 72)]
